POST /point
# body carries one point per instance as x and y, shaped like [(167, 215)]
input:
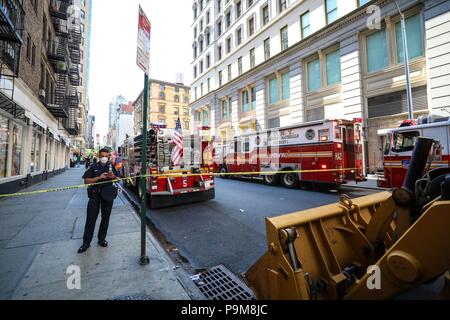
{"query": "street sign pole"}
[(144, 258), (143, 61)]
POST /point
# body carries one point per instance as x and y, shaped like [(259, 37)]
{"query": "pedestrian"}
[(101, 197)]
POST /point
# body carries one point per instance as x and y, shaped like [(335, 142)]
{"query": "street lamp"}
[(406, 60)]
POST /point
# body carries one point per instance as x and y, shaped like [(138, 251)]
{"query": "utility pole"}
[(406, 61)]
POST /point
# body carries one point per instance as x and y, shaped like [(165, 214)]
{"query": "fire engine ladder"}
[(169, 184)]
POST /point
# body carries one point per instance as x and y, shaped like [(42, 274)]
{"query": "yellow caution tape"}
[(168, 175)]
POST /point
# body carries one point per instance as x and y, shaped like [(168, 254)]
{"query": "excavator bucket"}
[(373, 247)]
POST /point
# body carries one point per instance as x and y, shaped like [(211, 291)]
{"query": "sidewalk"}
[(39, 238)]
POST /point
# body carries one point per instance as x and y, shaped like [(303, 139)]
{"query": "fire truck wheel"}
[(290, 180), (223, 170), (271, 180)]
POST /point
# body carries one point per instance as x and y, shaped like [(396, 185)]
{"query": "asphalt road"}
[(230, 230)]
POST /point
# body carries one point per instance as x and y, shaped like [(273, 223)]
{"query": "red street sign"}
[(143, 43)]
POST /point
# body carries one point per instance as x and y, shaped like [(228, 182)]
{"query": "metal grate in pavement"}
[(135, 297), (218, 283)]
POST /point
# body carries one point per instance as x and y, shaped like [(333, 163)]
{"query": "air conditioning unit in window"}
[(42, 94)]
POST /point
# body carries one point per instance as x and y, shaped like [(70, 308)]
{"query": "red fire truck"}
[(329, 152), (169, 185), (400, 144)]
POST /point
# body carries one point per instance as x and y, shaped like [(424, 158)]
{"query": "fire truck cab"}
[(326, 152), (169, 185), (400, 145)]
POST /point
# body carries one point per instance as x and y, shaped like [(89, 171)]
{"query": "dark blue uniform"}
[(100, 197)]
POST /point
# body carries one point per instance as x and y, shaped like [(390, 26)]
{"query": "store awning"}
[(55, 134), (36, 120)]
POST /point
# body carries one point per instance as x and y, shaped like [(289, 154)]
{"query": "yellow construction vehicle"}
[(374, 247)]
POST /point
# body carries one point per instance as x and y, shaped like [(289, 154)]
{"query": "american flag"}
[(177, 152)]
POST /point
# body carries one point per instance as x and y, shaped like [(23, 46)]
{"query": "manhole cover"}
[(219, 283), (134, 297)]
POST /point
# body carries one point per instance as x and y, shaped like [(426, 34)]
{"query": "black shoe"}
[(103, 243), (83, 248)]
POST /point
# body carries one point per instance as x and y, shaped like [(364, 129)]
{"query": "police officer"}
[(101, 197)]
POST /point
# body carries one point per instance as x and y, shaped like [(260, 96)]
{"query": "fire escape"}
[(11, 27), (64, 55)]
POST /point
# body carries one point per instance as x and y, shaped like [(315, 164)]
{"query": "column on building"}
[(437, 30), (260, 105), (351, 78), (296, 89)]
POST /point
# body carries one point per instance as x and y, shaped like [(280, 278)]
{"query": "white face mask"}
[(104, 160)]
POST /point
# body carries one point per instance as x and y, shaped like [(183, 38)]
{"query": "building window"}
[(195, 51), (225, 106), (238, 9), (162, 108), (252, 58), (186, 112), (186, 125), (201, 67), (205, 118), (284, 38), (195, 33), (176, 98), (305, 25), (195, 72), (29, 47), (219, 5), (219, 49), (220, 78), (219, 28), (208, 37), (249, 3), (333, 62), (208, 81), (240, 65), (279, 88), (229, 72), (33, 55), (176, 111), (363, 2), (201, 25), (161, 120), (162, 87), (281, 6), (228, 19), (4, 142), (35, 152), (248, 99), (208, 61), (162, 96), (332, 11), (414, 36), (251, 26), (314, 75), (228, 43), (195, 93), (376, 48), (201, 89), (17, 150), (239, 36), (267, 48), (265, 14), (273, 123)]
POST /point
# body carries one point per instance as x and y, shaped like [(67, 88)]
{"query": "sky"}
[(113, 68)]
